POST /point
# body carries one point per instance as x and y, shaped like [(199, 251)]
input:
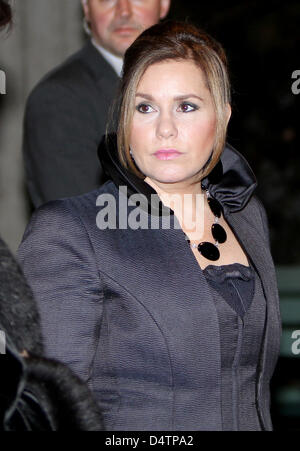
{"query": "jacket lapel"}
[(97, 64), (257, 248)]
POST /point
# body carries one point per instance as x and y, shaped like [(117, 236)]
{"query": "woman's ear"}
[(228, 112)]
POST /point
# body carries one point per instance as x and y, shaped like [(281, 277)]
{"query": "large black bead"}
[(209, 251), (218, 233), (215, 206)]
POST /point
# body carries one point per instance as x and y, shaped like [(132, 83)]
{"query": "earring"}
[(131, 154)]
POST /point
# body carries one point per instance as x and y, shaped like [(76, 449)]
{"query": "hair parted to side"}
[(172, 40), (5, 13)]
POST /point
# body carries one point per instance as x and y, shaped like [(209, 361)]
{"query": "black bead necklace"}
[(207, 249)]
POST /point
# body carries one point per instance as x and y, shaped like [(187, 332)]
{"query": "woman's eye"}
[(144, 108), (188, 107)]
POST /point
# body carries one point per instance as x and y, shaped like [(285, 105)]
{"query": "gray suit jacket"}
[(65, 118), (131, 312)]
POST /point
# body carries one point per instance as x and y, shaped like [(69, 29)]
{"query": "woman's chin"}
[(165, 179), (169, 177)]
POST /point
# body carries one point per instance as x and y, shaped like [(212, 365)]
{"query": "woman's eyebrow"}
[(145, 96), (188, 96), (181, 97)]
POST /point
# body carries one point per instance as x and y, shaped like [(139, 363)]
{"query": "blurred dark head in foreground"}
[(36, 394), (5, 13)]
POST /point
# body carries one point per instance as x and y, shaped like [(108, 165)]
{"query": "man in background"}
[(66, 114)]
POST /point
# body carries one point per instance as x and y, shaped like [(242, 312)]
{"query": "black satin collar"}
[(232, 181)]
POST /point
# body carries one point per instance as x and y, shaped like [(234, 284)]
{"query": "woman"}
[(169, 311)]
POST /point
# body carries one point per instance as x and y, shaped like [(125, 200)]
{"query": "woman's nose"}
[(166, 127), (124, 8)]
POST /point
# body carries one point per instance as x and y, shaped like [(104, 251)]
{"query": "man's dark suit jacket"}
[(65, 118), (130, 311)]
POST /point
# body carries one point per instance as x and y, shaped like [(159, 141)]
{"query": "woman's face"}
[(174, 123)]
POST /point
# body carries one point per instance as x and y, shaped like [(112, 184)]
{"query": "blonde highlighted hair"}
[(174, 41)]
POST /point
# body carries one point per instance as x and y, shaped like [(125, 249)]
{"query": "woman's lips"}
[(167, 154)]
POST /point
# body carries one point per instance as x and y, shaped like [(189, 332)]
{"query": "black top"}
[(241, 324), (235, 282)]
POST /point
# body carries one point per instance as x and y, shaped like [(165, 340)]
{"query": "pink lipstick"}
[(167, 154)]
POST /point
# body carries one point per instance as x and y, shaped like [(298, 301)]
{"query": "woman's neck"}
[(179, 189), (188, 201)]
